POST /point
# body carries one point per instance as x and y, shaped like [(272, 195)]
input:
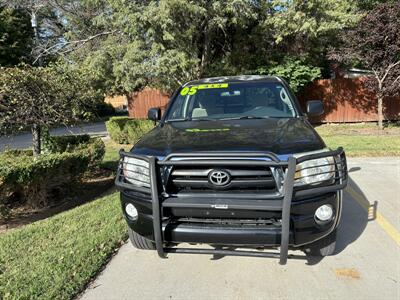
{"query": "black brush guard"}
[(216, 159)]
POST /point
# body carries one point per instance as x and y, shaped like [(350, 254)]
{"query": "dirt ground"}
[(91, 187)]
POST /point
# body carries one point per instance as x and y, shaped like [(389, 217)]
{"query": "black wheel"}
[(323, 247), (140, 242)]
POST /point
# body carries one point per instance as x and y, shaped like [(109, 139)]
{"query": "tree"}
[(50, 24), (367, 5), (125, 45), (166, 43), (30, 8), (161, 43), (296, 71), (40, 97), (375, 44), (311, 18), (307, 28), (15, 36)]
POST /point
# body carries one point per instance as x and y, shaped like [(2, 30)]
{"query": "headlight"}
[(315, 171), (136, 171)]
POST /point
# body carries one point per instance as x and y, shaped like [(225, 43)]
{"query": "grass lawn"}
[(55, 258), (111, 156), (362, 139)]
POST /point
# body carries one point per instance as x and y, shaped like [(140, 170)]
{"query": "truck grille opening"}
[(251, 179), (231, 222)]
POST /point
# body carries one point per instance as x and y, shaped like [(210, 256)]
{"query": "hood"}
[(282, 136)]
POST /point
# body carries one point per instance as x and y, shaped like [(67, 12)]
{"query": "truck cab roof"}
[(232, 79)]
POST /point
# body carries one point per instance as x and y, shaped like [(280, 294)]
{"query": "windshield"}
[(232, 101)]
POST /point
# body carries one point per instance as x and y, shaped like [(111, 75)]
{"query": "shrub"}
[(125, 130), (40, 181), (137, 128), (95, 149), (116, 129), (70, 143), (34, 180), (59, 144)]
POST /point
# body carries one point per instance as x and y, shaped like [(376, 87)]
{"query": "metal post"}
[(156, 208), (287, 201)]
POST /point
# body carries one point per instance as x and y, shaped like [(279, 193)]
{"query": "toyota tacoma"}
[(233, 163)]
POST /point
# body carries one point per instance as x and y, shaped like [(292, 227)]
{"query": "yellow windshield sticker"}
[(191, 90), (207, 130)]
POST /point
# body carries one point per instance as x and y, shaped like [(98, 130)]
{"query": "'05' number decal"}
[(191, 90)]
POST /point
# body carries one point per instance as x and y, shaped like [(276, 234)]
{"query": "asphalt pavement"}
[(24, 140), (366, 265)]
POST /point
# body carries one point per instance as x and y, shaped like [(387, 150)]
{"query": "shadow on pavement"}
[(356, 212), (355, 216)]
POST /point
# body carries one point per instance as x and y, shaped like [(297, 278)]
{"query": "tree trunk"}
[(204, 57), (36, 139), (129, 102), (380, 112)]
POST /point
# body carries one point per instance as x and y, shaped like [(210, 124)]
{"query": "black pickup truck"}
[(233, 163)]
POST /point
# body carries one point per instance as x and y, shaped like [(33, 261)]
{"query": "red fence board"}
[(140, 102), (347, 100)]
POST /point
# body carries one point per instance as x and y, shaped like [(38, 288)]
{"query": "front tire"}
[(139, 241), (323, 247)]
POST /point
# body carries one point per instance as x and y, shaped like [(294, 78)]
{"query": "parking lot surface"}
[(366, 265)]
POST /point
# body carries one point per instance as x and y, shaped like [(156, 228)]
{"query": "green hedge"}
[(71, 143), (65, 143), (38, 181), (125, 130)]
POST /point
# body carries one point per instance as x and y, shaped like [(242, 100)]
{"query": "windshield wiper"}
[(244, 118), (204, 119), (189, 119), (179, 120)]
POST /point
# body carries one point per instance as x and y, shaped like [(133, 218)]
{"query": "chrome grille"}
[(196, 179)]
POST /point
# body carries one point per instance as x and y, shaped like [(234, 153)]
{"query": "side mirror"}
[(154, 114), (315, 108)]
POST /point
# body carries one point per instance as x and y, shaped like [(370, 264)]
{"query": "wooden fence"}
[(345, 100), (140, 102)]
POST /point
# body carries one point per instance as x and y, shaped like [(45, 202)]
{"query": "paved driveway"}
[(367, 265), (24, 140)]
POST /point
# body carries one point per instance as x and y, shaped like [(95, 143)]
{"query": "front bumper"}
[(294, 211), (303, 229)]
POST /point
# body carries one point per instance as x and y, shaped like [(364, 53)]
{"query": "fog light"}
[(131, 211), (324, 213)]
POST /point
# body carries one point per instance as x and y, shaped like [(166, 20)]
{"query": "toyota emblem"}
[(219, 177)]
